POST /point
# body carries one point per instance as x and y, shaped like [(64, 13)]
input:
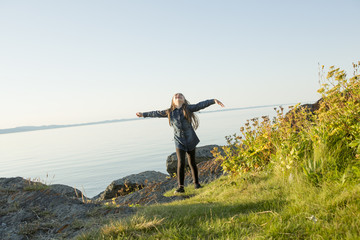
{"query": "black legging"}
[(181, 166)]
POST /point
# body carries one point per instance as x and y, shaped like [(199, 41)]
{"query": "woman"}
[(182, 118)]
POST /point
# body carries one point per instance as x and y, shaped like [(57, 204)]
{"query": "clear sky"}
[(68, 61)]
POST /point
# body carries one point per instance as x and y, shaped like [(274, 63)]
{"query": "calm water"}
[(91, 157)]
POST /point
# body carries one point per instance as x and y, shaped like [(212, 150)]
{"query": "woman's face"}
[(178, 99)]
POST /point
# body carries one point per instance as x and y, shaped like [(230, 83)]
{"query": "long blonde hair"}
[(190, 116)]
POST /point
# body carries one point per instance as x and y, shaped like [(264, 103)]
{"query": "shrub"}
[(323, 145)]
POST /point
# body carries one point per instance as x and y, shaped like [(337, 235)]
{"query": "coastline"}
[(34, 207)]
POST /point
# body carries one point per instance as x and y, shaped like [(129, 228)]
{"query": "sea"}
[(90, 157)]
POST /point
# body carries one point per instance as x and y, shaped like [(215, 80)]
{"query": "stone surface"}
[(66, 190), (131, 183), (290, 116), (154, 193), (201, 154), (310, 107), (32, 210)]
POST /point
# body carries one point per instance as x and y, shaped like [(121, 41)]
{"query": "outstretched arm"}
[(204, 104), (157, 114)]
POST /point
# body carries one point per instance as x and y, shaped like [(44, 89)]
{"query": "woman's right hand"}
[(139, 114)]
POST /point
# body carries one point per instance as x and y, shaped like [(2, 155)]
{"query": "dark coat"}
[(184, 134)]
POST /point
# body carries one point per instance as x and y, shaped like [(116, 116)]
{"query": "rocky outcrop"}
[(312, 107), (154, 193), (201, 154), (67, 191), (32, 210), (292, 117), (131, 183)]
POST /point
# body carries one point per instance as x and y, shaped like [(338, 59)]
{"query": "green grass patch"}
[(36, 187), (252, 207)]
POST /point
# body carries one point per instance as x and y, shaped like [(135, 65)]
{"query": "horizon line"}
[(53, 126)]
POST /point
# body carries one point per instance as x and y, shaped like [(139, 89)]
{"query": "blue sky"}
[(80, 61)]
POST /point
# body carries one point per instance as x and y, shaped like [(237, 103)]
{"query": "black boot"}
[(180, 190)]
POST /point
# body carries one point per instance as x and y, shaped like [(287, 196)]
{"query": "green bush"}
[(324, 145)]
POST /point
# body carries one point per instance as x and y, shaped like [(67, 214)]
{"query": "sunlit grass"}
[(255, 207)]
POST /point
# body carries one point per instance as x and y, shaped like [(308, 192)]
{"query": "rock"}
[(67, 191), (150, 194), (154, 193), (201, 154), (210, 171), (312, 107), (32, 210), (309, 107), (12, 184), (130, 184), (291, 116)]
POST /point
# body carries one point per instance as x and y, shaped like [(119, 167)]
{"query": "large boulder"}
[(201, 154), (131, 183)]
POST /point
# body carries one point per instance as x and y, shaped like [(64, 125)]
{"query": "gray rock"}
[(32, 210), (13, 184), (309, 108), (201, 154), (154, 193), (66, 190), (131, 183)]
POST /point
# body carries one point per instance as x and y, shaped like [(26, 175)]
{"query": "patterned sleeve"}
[(155, 114), (200, 105)]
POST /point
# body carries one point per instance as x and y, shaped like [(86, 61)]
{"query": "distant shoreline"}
[(46, 127)]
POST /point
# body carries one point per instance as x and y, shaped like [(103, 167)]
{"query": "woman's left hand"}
[(218, 102)]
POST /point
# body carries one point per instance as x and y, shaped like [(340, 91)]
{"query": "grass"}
[(36, 184), (258, 206), (36, 187)]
